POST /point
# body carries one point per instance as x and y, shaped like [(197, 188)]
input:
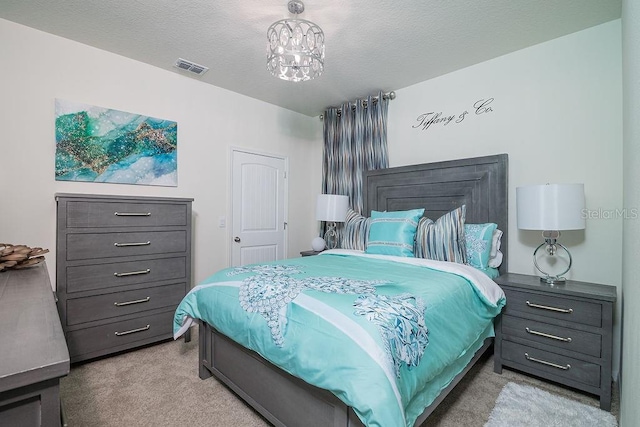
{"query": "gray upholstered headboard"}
[(480, 183)]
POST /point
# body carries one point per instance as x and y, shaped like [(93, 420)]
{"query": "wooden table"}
[(33, 351)]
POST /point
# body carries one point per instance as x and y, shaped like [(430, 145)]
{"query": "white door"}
[(258, 191)]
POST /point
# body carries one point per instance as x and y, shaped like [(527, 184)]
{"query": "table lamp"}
[(551, 208), (331, 208)]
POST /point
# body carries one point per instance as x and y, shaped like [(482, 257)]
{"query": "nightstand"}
[(309, 253), (562, 333)]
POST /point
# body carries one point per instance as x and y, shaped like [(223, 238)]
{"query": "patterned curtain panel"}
[(355, 140)]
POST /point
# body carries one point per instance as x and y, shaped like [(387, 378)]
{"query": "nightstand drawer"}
[(122, 333), (87, 214), (552, 363), (107, 245), (556, 336), (101, 276), (88, 309), (552, 306)]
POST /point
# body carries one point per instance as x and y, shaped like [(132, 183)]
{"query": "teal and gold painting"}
[(98, 144)]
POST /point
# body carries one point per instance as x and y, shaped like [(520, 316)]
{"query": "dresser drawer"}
[(120, 333), (106, 245), (85, 214), (88, 309), (101, 276), (540, 360), (552, 306), (556, 336)]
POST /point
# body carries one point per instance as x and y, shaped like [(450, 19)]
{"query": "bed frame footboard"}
[(284, 400)]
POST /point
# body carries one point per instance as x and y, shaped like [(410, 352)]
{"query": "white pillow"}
[(496, 261), (495, 256), (496, 241)]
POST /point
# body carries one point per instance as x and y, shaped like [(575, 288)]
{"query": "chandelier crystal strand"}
[(295, 48)]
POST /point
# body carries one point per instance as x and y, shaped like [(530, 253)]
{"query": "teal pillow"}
[(478, 238), (393, 233), (442, 239), (490, 271)]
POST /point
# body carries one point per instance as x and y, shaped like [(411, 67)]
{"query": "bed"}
[(283, 399)]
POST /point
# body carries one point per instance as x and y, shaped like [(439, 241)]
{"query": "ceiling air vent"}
[(192, 67)]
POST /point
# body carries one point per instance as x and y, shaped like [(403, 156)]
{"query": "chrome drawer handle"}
[(122, 245), (133, 331), (132, 213), (132, 273), (138, 301), (544, 362), (546, 307), (542, 334)]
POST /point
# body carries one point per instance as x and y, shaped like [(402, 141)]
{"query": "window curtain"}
[(355, 140)]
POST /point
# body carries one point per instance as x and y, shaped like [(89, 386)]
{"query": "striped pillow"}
[(355, 231), (442, 240), (393, 233)]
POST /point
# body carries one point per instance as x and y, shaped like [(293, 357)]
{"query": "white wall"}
[(557, 113), (38, 67), (630, 369)]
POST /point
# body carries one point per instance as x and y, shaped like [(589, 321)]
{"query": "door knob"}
[(237, 239)]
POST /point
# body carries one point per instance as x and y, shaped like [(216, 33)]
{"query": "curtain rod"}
[(391, 96)]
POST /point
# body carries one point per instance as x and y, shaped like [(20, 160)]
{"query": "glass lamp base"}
[(551, 247), (330, 236), (550, 280)]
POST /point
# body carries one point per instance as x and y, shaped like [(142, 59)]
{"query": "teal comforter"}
[(384, 334)]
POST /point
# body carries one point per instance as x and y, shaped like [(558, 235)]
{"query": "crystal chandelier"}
[(295, 47)]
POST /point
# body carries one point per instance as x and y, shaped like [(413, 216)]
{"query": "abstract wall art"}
[(98, 144)]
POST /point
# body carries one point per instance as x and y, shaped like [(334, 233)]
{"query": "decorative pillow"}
[(443, 240), (478, 239), (393, 233), (495, 257), (491, 272), (355, 231), (496, 241), (495, 261)]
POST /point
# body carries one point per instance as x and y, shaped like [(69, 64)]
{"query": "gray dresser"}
[(562, 333), (123, 265), (33, 353)]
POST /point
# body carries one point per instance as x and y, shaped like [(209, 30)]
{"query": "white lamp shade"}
[(551, 207), (332, 207)]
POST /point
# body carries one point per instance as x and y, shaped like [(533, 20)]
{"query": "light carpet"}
[(523, 405), (158, 386)]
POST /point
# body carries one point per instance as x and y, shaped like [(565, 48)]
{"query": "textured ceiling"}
[(371, 45)]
